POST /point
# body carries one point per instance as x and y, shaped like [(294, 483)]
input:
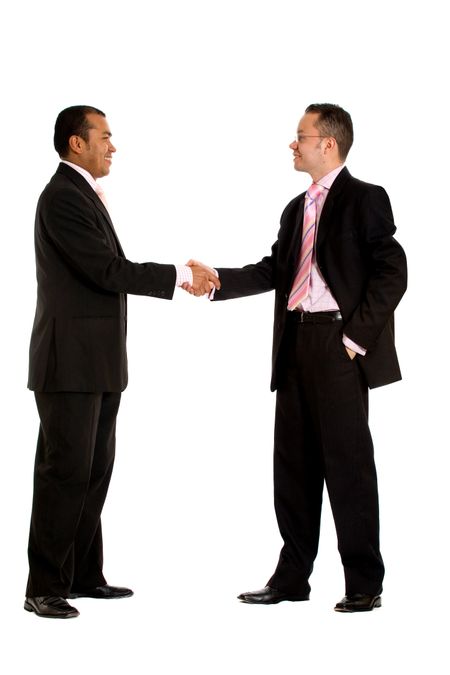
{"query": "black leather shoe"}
[(50, 607), (269, 596), (104, 592), (359, 602)]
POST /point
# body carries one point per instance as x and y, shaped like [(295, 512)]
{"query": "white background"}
[(203, 99)]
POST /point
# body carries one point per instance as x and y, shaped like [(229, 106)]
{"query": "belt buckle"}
[(302, 315)]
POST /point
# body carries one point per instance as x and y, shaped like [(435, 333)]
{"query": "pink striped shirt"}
[(320, 298)]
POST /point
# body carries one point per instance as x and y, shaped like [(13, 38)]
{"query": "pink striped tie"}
[(300, 287)]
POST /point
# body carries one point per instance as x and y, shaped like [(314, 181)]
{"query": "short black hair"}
[(336, 122), (72, 122)]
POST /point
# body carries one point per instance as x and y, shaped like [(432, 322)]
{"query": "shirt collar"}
[(328, 180)]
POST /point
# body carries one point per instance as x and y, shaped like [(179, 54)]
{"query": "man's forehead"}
[(98, 122), (307, 121)]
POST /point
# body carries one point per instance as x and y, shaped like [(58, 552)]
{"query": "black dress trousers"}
[(74, 462), (322, 435)]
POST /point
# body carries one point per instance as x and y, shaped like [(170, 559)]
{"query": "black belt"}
[(314, 317)]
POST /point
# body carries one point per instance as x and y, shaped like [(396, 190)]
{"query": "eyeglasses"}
[(301, 137)]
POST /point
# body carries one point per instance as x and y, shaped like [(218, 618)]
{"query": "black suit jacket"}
[(78, 342), (362, 263)]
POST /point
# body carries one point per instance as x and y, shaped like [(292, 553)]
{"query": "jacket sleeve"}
[(387, 270), (74, 232), (248, 280)]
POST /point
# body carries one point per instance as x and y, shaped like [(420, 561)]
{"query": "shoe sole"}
[(74, 596), (375, 605), (27, 607), (272, 602)]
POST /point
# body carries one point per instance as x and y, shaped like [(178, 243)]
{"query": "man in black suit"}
[(328, 348), (78, 363)]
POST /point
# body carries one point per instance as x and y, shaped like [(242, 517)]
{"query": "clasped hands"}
[(204, 279)]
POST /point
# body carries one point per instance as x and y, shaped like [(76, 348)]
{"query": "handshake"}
[(204, 279)]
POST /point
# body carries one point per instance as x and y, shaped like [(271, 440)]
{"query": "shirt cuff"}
[(353, 346), (213, 289), (184, 275)]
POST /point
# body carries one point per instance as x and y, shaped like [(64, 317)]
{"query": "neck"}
[(75, 160), (317, 174)]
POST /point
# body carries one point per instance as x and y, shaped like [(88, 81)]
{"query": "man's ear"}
[(330, 144), (76, 144)]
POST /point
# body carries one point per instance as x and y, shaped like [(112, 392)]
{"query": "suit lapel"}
[(296, 236), (326, 217), (99, 204), (86, 189)]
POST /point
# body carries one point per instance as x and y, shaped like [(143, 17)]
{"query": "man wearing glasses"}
[(338, 274)]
